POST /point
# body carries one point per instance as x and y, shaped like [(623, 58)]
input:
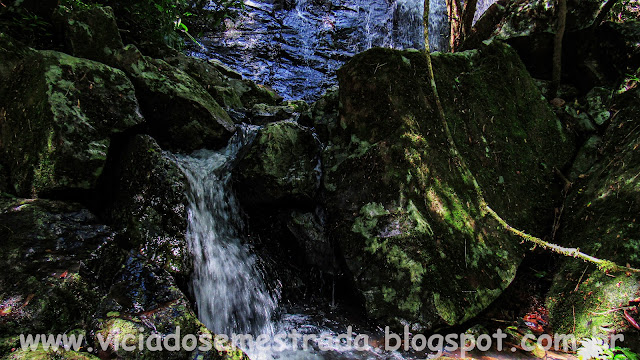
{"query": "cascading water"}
[(230, 294), (439, 25), (296, 46)]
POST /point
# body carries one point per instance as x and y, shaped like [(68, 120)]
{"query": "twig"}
[(605, 265)]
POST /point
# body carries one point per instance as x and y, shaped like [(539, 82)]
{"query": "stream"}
[(295, 47)]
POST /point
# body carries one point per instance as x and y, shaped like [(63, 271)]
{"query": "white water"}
[(230, 294)]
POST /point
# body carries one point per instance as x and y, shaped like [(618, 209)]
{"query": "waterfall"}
[(439, 26), (296, 46), (230, 295)]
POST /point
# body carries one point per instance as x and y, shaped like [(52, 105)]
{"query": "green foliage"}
[(142, 21), (166, 20), (24, 22), (625, 10)]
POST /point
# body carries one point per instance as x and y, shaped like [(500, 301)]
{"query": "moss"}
[(402, 207), (62, 123), (281, 165), (601, 220)]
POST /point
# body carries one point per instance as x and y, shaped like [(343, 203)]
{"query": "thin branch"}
[(605, 265)]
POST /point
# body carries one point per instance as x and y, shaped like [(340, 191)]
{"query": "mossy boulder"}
[(281, 166), (147, 203), (404, 211), (58, 114), (180, 113), (601, 218), (144, 301), (322, 115), (508, 134), (44, 244), (90, 33)]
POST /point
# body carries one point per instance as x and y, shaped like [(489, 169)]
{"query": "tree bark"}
[(467, 20)]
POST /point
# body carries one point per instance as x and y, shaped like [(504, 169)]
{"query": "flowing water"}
[(296, 46), (230, 294)]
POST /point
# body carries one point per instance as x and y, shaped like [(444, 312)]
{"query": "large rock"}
[(403, 210), (58, 114), (44, 244), (147, 202), (143, 300), (90, 33), (505, 130), (181, 114), (282, 165), (601, 218)]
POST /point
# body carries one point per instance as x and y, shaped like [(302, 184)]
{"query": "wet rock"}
[(90, 33), (41, 354), (144, 301), (44, 244), (601, 219), (147, 203), (296, 47), (312, 239), (282, 165), (180, 113), (58, 115), (174, 318), (403, 212), (261, 114)]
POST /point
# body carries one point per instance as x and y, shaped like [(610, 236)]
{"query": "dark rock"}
[(44, 244), (145, 301), (251, 93), (282, 165), (404, 212), (261, 114), (180, 113), (505, 129), (90, 33), (592, 54), (323, 115), (585, 159), (58, 114), (147, 204), (601, 219), (312, 239)]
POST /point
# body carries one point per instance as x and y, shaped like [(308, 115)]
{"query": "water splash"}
[(231, 296)]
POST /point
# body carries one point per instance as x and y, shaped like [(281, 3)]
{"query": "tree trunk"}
[(467, 20), (556, 71)]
